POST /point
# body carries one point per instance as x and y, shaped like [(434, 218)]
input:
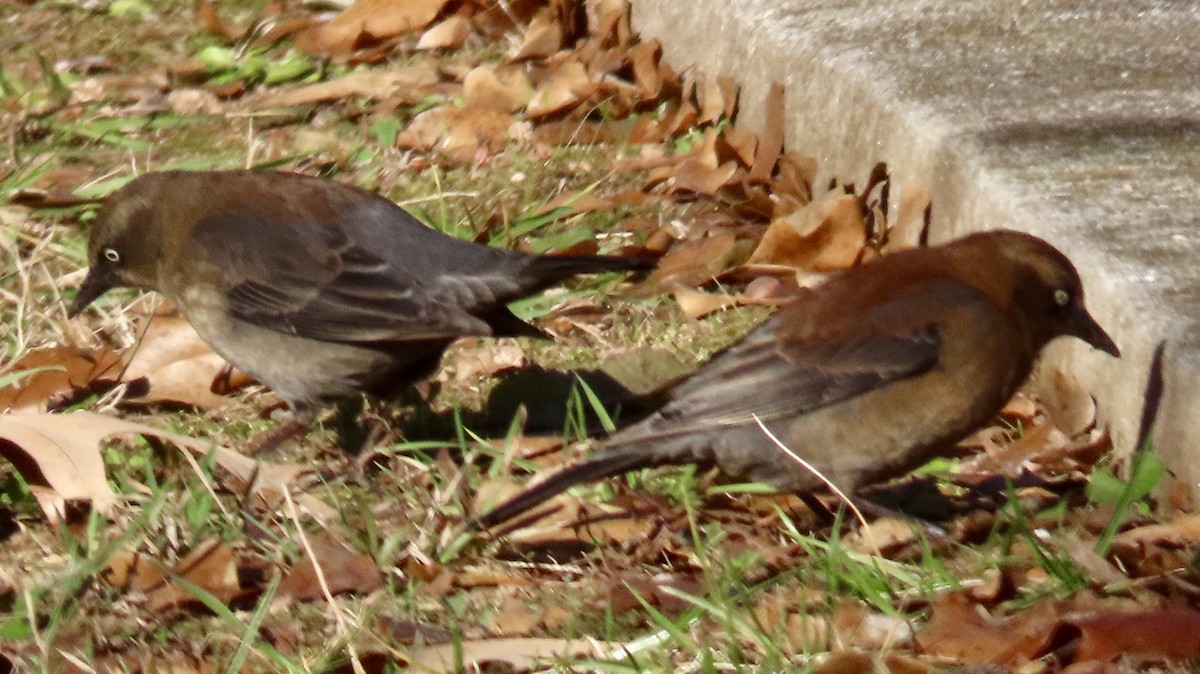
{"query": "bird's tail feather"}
[(549, 269), (605, 464)]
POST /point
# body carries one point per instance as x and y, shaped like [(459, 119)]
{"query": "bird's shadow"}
[(550, 401)]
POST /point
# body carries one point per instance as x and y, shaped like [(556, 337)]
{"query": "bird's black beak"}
[(1086, 328), (94, 285)]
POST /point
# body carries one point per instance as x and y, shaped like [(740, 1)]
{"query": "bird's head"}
[(125, 246), (1046, 291)]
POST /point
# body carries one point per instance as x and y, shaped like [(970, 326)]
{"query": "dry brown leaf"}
[(793, 185), (61, 452), (515, 618), (565, 87), (959, 629), (854, 662), (503, 89), (857, 626), (906, 231), (770, 141), (883, 536), (207, 17), (55, 371), (742, 144), (696, 261), (1038, 441), (518, 654), (710, 99), (543, 38), (821, 236), (643, 58), (446, 34), (344, 569), (178, 365), (1162, 633), (1068, 404), (413, 81), (696, 304), (210, 567), (1181, 532), (370, 19), (460, 134)]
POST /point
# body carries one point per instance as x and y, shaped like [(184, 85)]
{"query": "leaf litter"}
[(737, 221)]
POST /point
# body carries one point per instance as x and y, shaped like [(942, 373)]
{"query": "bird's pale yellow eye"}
[(1062, 298), (111, 255)]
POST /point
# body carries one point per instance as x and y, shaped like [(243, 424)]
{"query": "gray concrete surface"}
[(1078, 120)]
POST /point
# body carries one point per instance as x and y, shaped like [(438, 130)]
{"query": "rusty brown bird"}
[(319, 290), (865, 377)]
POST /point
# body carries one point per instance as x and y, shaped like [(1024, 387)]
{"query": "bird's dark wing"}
[(318, 283), (774, 377)]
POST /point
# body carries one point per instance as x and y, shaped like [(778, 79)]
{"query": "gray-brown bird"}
[(319, 290), (866, 376)]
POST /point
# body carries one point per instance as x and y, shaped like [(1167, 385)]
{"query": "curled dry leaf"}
[(447, 34), (459, 134), (518, 654), (567, 85), (502, 89), (1168, 632), (179, 366), (370, 19), (906, 231), (543, 38), (770, 141), (821, 236), (344, 569), (696, 304), (1068, 404), (644, 58), (958, 629), (413, 81), (710, 99), (53, 372), (696, 261)]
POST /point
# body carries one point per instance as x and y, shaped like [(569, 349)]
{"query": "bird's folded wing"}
[(316, 283), (774, 377)]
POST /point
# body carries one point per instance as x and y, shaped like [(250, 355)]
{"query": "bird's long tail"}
[(604, 464), (550, 269)]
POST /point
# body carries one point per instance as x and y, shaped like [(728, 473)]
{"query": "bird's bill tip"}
[(92, 288), (1090, 331)]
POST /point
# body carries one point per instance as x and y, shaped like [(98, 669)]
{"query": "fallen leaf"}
[(460, 134), (179, 366), (964, 631), (543, 38), (696, 304), (514, 617), (1068, 404), (770, 141), (643, 59), (907, 228), (565, 87), (44, 373), (210, 567), (518, 654), (373, 19), (1162, 633), (413, 81), (447, 34), (696, 261), (503, 89), (344, 570), (822, 236)]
